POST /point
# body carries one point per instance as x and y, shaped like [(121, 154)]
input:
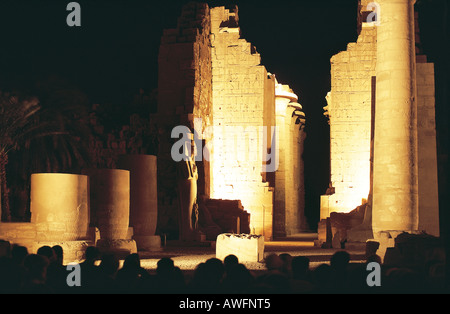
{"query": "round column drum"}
[(110, 202), (143, 198), (60, 206), (143, 192)]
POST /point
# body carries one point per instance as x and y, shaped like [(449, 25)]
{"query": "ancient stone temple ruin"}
[(381, 111), (229, 156), (212, 82), (228, 164)]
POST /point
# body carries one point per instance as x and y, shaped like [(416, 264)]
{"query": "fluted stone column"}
[(395, 174)]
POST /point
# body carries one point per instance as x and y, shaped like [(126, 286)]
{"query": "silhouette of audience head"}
[(300, 267), (208, 276), (230, 261), (18, 254), (340, 260), (321, 276), (59, 253), (374, 258), (164, 266), (286, 268), (36, 266), (169, 278), (91, 254), (48, 252), (273, 262), (44, 272), (109, 264), (132, 261), (238, 278), (215, 269)]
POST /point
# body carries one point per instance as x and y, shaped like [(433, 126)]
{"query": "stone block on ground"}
[(148, 243), (324, 234), (246, 247), (229, 215), (120, 247)]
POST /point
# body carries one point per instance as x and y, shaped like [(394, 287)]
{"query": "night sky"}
[(115, 52)]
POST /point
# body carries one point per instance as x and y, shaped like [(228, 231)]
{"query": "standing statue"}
[(187, 197)]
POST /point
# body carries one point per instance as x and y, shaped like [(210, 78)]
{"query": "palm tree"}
[(42, 135), (16, 123), (65, 111)]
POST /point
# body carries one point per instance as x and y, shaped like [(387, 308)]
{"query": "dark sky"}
[(114, 53)]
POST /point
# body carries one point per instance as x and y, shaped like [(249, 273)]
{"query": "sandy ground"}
[(188, 257)]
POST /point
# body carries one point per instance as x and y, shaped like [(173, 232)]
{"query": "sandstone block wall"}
[(352, 104), (207, 72), (184, 60), (349, 112), (229, 215), (243, 102)]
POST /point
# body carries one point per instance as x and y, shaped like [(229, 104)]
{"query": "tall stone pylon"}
[(395, 172)]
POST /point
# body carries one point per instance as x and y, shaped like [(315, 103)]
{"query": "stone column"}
[(59, 206), (288, 212), (143, 199), (283, 96), (110, 208), (395, 174)]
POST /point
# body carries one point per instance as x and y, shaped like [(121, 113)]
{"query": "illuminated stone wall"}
[(382, 128), (243, 102), (212, 80), (349, 112)]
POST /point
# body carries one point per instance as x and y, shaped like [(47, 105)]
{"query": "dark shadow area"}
[(44, 273)]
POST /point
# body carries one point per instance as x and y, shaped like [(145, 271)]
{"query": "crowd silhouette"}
[(44, 272)]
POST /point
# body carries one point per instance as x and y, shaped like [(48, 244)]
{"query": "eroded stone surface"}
[(246, 247)]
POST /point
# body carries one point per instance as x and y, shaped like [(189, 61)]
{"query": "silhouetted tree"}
[(16, 123), (44, 133)]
